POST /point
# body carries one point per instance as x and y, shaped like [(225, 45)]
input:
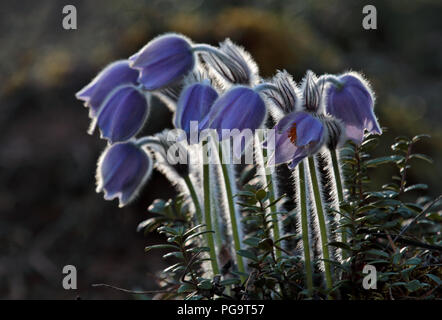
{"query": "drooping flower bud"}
[(350, 99), (114, 75), (123, 114), (122, 170), (232, 64), (239, 108), (193, 105), (163, 61), (297, 135)]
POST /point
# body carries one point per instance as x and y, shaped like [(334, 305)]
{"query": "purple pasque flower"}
[(239, 111), (163, 61), (239, 108), (123, 114), (114, 75), (350, 99), (296, 136), (122, 170), (194, 104)]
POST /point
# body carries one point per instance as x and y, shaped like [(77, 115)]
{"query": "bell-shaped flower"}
[(239, 108), (350, 99), (194, 104), (122, 170), (163, 61), (296, 136), (123, 114), (237, 114), (114, 75)]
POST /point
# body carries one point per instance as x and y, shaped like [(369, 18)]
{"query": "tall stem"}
[(194, 197), (234, 223), (207, 215), (340, 191), (321, 219), (305, 227), (273, 209)]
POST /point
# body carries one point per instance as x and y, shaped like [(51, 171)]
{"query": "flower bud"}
[(123, 114), (163, 61), (239, 108), (313, 93), (111, 77), (350, 99), (122, 170), (233, 64), (193, 105)]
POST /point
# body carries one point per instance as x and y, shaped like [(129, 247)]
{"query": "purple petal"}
[(353, 104), (308, 129), (193, 105), (163, 61), (123, 168), (111, 77), (240, 108), (123, 114)]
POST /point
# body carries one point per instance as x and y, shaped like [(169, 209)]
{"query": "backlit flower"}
[(123, 114), (297, 135), (163, 61), (350, 99), (122, 170), (111, 77)]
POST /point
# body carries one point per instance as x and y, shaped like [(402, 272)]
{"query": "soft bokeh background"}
[(50, 214)]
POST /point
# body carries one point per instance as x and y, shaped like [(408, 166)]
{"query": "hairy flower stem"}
[(305, 227), (234, 223), (273, 209), (207, 215), (194, 197), (340, 191), (321, 219)]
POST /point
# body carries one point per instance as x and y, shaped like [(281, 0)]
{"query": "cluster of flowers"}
[(220, 88)]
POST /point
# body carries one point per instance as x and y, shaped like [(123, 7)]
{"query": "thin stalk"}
[(273, 209), (194, 197), (207, 215), (321, 220), (216, 225), (234, 223), (340, 191), (305, 227)]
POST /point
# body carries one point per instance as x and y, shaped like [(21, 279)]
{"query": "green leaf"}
[(157, 206), (260, 194), (434, 278), (198, 234), (378, 253), (419, 186), (340, 245), (161, 246), (414, 285), (420, 137), (229, 282), (205, 285), (421, 156), (191, 230), (248, 254), (252, 241), (382, 160), (185, 287), (176, 254), (413, 261)]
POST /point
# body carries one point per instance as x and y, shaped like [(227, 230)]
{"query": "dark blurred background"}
[(50, 214)]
